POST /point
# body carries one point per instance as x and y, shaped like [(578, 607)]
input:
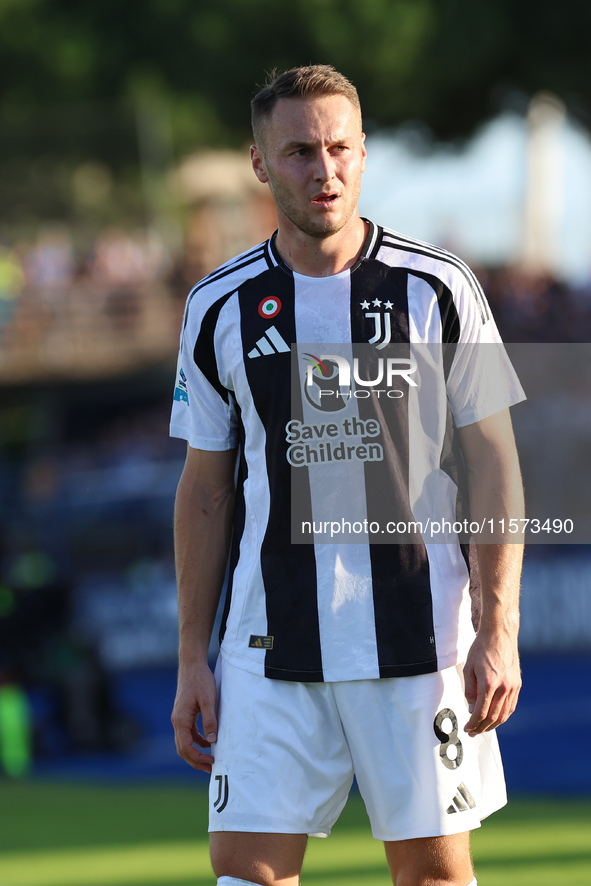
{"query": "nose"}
[(324, 169)]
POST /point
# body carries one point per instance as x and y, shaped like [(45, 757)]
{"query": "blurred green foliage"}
[(445, 62), (98, 99)]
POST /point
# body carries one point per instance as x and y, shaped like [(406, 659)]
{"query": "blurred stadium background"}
[(124, 177)]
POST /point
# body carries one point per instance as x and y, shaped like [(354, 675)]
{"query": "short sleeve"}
[(203, 413), (482, 380)]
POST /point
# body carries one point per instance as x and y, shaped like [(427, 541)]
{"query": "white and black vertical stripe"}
[(289, 571), (400, 571)]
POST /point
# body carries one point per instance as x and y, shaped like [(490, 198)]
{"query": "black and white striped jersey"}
[(330, 609)]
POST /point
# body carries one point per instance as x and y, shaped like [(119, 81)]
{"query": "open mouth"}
[(325, 200)]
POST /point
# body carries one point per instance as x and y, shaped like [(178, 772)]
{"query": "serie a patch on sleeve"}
[(257, 641)]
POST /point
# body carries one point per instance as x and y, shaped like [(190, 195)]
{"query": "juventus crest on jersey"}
[(251, 376)]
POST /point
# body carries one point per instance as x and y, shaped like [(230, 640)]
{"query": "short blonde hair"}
[(301, 82)]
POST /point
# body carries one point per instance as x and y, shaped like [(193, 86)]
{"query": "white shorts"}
[(287, 752)]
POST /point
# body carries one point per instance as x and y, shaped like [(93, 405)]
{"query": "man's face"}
[(312, 154)]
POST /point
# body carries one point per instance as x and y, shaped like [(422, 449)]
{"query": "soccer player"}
[(340, 659)]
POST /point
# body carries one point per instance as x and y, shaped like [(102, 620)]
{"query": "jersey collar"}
[(366, 250)]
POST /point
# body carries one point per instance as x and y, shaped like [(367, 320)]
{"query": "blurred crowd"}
[(39, 275), (96, 504), (51, 262), (536, 307), (77, 310)]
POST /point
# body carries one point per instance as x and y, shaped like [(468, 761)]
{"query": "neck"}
[(321, 257)]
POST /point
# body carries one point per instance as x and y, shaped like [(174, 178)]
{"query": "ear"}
[(258, 164), (363, 152)]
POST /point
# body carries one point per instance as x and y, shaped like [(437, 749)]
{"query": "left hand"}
[(492, 678)]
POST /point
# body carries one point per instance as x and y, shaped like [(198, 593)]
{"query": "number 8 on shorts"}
[(451, 750)]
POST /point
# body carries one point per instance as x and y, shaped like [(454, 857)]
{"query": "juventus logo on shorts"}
[(222, 797)]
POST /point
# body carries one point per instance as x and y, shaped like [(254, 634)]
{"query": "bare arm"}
[(202, 531), (492, 673)]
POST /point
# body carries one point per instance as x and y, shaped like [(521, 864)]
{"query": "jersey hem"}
[(260, 669), (415, 669), (294, 676), (411, 670)]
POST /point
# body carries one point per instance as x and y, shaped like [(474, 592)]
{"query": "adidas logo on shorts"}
[(462, 801)]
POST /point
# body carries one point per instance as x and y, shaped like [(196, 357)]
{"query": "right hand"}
[(196, 694)]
